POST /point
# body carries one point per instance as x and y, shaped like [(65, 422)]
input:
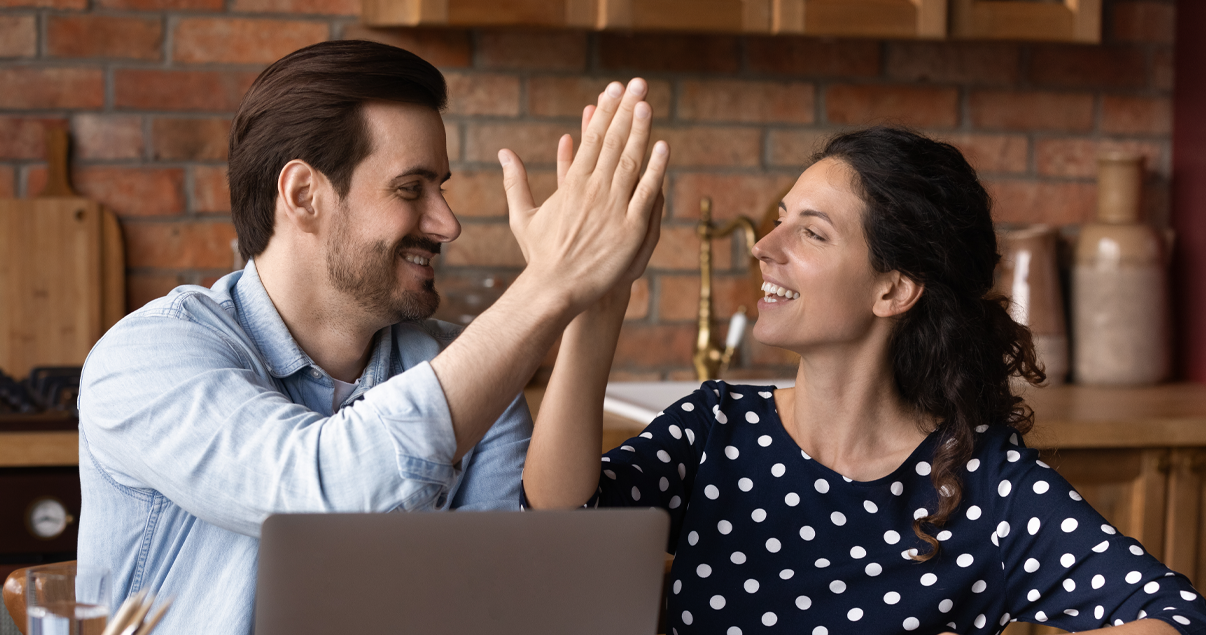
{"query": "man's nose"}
[(439, 222)]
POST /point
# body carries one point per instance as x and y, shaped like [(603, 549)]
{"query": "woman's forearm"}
[(1139, 627), (562, 468)]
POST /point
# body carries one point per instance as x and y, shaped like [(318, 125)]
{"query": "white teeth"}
[(418, 260), (774, 290)]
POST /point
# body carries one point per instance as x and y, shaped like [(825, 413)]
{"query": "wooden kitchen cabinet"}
[(861, 18), (1066, 21)]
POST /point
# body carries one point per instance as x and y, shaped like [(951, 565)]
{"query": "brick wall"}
[(148, 87)]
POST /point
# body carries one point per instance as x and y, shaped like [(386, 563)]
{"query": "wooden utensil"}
[(62, 272)]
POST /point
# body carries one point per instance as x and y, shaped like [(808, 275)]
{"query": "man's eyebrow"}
[(430, 175), (809, 212)]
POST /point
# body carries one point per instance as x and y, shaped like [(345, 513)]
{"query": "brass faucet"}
[(709, 359)]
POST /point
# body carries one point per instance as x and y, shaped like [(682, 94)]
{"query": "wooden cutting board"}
[(62, 275)]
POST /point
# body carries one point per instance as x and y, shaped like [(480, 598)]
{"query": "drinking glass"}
[(67, 599)]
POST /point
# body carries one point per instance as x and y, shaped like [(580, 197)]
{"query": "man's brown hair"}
[(307, 106)]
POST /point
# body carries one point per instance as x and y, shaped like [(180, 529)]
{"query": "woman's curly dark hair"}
[(953, 353)]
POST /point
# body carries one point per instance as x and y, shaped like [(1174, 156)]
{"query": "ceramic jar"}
[(1120, 316), (1029, 276)]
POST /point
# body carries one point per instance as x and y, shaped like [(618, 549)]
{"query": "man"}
[(312, 381)]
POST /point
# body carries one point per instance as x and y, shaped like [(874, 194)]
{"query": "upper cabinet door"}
[(861, 18), (1064, 21), (1051, 20)]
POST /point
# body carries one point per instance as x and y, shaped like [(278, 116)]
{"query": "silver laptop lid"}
[(535, 573)]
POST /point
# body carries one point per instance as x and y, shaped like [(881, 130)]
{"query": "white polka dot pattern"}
[(1018, 523)]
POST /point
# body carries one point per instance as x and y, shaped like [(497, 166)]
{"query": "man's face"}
[(392, 222)]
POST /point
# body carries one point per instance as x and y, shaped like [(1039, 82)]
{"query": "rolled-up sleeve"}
[(180, 407)]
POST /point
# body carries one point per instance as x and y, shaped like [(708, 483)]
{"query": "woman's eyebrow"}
[(809, 212)]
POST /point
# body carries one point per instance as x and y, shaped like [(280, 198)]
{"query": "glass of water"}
[(67, 599)]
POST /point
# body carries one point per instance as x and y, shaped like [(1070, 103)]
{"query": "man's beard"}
[(369, 273)]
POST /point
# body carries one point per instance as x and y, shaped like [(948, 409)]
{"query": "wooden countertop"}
[(1067, 417)]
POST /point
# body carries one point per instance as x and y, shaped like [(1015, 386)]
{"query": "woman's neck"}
[(846, 412)]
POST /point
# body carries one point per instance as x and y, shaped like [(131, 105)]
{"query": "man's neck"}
[(327, 326)]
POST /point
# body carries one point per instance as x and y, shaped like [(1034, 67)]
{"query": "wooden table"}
[(1138, 455)]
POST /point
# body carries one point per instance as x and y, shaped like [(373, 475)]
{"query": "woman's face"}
[(818, 255)]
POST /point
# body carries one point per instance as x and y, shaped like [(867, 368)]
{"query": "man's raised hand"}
[(586, 236)]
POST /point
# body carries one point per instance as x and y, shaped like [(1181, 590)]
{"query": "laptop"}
[(531, 573)]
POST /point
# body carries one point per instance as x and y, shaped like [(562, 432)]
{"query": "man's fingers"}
[(650, 186), (515, 182), (596, 130), (565, 157), (621, 130), (628, 167)]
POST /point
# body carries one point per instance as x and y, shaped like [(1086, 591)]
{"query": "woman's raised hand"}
[(600, 226)]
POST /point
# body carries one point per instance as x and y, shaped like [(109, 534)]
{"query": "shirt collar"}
[(260, 319)]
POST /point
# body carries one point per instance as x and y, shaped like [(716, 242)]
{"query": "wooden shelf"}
[(39, 449), (861, 18)]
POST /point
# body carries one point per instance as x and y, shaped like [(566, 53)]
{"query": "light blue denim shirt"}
[(200, 416)]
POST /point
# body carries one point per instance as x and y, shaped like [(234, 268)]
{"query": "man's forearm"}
[(483, 369)]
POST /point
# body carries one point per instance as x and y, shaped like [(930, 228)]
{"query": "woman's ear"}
[(898, 294), (296, 188)]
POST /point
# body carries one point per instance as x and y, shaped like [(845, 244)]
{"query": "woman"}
[(890, 489)]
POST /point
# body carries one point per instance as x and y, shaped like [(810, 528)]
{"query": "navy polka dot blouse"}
[(768, 540)]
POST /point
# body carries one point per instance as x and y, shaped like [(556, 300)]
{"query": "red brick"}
[(679, 298), (211, 193), (482, 94), (141, 287), (452, 136), (812, 57), (242, 40), (162, 5), (100, 136), (535, 143), (1144, 22), (1018, 201), (24, 138), (954, 62), (18, 36), (654, 345), (628, 375), (179, 244), (319, 7), (152, 89), (479, 193), (555, 96), (484, 245), (749, 195), (678, 248), (993, 153), (551, 50), (712, 147), (48, 4), (731, 100), (669, 52), (1136, 115), (1163, 69), (104, 36), (58, 87), (8, 182), (1075, 66), (908, 105), (794, 148), (1078, 157), (190, 139), (442, 47), (1032, 110), (638, 302), (126, 191)]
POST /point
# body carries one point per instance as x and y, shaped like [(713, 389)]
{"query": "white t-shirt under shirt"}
[(343, 390)]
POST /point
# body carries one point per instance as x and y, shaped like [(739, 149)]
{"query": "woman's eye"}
[(778, 222), (813, 235)]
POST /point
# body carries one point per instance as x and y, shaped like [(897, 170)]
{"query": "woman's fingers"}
[(620, 134), (565, 157), (587, 113), (596, 130), (650, 186)]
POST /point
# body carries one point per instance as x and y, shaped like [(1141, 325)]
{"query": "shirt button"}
[(314, 373)]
